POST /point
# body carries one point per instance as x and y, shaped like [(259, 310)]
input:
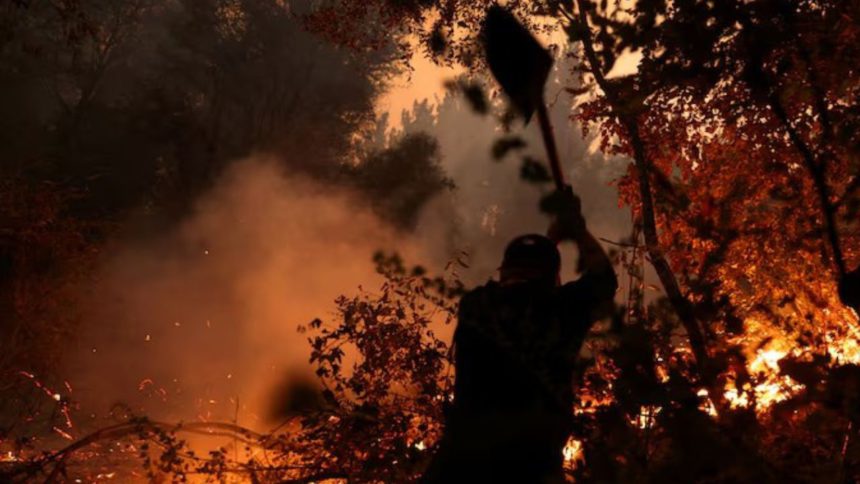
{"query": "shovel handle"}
[(549, 143)]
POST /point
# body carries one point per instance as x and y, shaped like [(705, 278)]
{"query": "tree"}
[(401, 179), (734, 103), (121, 97)]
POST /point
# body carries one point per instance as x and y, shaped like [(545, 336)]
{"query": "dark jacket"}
[(514, 353)]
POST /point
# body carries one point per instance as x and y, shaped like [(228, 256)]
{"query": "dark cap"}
[(531, 256)]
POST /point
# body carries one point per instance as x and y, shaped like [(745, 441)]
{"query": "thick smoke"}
[(181, 326)]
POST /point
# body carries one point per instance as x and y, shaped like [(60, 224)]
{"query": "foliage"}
[(45, 253), (387, 404), (745, 206), (399, 180)]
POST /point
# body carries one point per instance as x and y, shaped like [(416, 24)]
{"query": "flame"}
[(9, 456), (844, 348), (768, 386), (646, 417), (573, 454)]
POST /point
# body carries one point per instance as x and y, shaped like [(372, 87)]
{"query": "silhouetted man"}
[(514, 350)]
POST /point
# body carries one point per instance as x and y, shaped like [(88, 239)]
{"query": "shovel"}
[(521, 66)]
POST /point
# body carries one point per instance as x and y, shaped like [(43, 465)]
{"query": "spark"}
[(63, 404), (63, 433), (144, 383)]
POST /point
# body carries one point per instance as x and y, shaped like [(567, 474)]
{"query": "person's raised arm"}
[(569, 224)]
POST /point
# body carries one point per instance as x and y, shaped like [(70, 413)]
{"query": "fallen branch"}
[(141, 428)]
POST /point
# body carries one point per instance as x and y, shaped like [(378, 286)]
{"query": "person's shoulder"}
[(577, 285), (481, 292)]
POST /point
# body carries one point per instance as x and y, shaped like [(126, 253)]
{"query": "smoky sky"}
[(181, 325)]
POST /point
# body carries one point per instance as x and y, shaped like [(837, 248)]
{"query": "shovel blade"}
[(517, 60)]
